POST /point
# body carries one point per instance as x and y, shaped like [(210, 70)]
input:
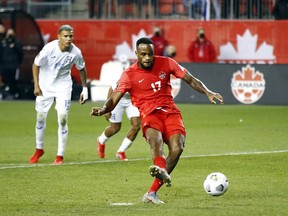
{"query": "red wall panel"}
[(97, 38)]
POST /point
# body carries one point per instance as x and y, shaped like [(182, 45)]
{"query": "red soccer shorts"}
[(168, 123)]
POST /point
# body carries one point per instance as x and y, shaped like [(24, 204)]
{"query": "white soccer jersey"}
[(124, 104), (55, 67)]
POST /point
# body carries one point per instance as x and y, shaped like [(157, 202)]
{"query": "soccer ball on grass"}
[(216, 184)]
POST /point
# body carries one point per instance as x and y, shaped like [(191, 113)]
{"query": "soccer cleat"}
[(152, 197), (121, 156), (58, 160), (35, 157), (161, 174), (101, 149)]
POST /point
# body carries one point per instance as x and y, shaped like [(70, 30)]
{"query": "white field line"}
[(15, 166)]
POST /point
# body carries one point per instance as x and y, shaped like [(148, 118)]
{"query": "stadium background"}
[(247, 143), (98, 35)]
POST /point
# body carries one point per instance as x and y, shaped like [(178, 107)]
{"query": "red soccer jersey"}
[(151, 89)]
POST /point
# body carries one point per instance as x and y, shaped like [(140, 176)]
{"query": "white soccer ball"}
[(216, 184)]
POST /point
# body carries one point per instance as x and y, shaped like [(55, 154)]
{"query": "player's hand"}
[(212, 96), (83, 95), (97, 111), (108, 116), (37, 91)]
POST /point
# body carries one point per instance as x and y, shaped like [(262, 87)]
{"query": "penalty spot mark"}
[(122, 204)]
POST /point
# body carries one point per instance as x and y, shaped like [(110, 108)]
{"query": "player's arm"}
[(108, 115), (84, 93), (197, 85), (108, 106), (35, 72)]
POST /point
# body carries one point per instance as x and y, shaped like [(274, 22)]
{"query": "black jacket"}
[(280, 10), (12, 53)]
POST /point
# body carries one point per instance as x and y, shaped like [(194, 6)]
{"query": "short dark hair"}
[(65, 28), (144, 40)]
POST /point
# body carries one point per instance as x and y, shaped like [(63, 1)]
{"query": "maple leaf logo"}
[(247, 85), (126, 48), (246, 51)]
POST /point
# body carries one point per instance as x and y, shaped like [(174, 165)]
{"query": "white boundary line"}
[(15, 166)]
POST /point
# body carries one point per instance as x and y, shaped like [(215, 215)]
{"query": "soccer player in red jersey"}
[(148, 82)]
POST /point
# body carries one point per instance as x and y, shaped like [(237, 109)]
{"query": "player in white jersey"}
[(115, 118), (53, 82)]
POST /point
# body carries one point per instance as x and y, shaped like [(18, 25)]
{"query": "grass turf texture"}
[(87, 185)]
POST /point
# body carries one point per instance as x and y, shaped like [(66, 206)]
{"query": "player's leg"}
[(63, 103), (158, 170), (174, 129), (174, 138), (175, 145), (42, 107), (153, 130), (112, 129), (109, 131), (133, 115)]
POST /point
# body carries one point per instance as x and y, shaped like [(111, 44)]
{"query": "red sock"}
[(155, 185), (160, 162)]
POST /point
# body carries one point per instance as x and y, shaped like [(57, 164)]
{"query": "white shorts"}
[(63, 103), (117, 112)]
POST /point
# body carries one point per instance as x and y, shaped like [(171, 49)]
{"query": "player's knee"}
[(154, 140), (177, 149), (135, 123), (136, 128), (62, 119), (41, 119), (116, 127)]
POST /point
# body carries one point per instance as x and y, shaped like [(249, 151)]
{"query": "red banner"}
[(260, 42)]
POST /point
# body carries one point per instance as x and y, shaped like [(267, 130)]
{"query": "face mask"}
[(173, 55), (11, 38), (202, 35), (157, 34)]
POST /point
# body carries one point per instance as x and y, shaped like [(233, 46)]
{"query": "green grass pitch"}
[(249, 144)]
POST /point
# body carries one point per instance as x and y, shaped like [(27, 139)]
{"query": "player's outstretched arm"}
[(200, 87), (108, 106)]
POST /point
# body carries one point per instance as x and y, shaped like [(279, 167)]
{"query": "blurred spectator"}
[(147, 11), (100, 7), (203, 6), (12, 56), (280, 10), (201, 50), (122, 6), (231, 9), (159, 41), (170, 51), (206, 4), (2, 42)]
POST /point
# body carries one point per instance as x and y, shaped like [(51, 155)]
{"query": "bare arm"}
[(83, 77), (108, 115), (84, 93), (35, 71), (110, 91), (108, 106), (197, 85)]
